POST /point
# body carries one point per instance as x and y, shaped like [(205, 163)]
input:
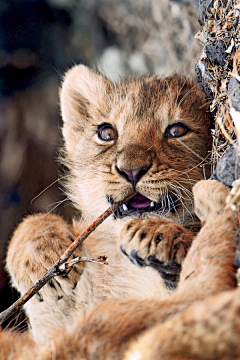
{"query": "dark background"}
[(39, 40)]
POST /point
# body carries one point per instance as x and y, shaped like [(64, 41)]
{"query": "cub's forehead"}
[(148, 101)]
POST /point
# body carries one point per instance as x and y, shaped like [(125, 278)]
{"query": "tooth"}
[(152, 204), (125, 208)]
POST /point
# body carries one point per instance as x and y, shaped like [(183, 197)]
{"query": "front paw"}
[(36, 245), (209, 198), (156, 243)]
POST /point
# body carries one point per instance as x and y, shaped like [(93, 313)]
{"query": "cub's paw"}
[(209, 198), (156, 243), (36, 245)]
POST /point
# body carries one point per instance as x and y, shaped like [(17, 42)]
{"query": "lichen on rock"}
[(218, 68)]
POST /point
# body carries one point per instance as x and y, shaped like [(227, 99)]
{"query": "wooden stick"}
[(62, 266)]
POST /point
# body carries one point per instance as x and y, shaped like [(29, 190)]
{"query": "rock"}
[(228, 167), (203, 77), (203, 6), (234, 93), (215, 51)]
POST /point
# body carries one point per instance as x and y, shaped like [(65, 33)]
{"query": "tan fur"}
[(199, 321), (36, 245), (140, 109)]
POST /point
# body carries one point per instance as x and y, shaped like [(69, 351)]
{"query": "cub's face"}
[(146, 135)]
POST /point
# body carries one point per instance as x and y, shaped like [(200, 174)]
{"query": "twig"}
[(51, 273), (62, 266), (67, 266)]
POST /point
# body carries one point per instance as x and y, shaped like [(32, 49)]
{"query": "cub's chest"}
[(120, 280)]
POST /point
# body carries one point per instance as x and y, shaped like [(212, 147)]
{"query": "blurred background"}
[(39, 40)]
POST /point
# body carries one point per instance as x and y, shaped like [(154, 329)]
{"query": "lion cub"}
[(146, 135)]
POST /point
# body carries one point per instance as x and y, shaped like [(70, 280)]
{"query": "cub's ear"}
[(82, 97)]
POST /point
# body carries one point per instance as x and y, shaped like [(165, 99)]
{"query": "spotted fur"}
[(145, 249), (199, 321)]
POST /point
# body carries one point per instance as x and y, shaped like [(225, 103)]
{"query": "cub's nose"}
[(133, 175)]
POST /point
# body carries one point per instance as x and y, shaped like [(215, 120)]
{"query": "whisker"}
[(184, 207), (50, 211), (178, 93), (54, 182), (199, 164), (175, 210), (177, 192), (170, 93), (192, 151), (184, 178), (187, 181), (186, 95), (187, 191), (149, 148), (19, 326), (57, 203)]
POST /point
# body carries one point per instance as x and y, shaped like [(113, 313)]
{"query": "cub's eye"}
[(106, 132), (176, 130)]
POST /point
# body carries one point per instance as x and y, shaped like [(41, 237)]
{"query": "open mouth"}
[(139, 204)]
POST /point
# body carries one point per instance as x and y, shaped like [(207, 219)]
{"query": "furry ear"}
[(82, 96)]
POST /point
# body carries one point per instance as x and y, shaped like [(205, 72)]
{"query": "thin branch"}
[(62, 266), (67, 266)]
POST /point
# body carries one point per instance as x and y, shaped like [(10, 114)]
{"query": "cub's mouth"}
[(140, 204)]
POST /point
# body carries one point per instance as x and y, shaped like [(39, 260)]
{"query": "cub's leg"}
[(206, 330), (215, 244), (36, 245), (209, 326), (198, 306), (209, 199), (157, 243)]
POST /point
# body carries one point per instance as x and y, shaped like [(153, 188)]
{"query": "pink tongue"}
[(139, 201)]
